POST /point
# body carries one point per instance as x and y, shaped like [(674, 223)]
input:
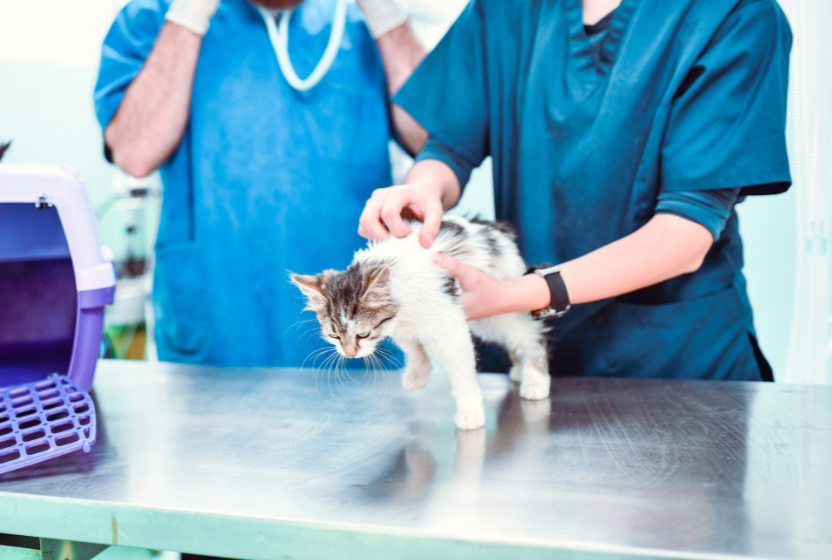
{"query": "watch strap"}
[(559, 305)]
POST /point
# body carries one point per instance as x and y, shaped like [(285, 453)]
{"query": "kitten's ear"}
[(312, 287), (378, 287)]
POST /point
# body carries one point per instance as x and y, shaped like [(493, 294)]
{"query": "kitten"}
[(393, 289)]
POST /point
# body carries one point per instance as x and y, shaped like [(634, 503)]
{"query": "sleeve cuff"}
[(757, 183), (708, 208), (709, 226)]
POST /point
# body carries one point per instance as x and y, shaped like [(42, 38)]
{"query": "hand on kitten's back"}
[(392, 205), (395, 289), (482, 295)]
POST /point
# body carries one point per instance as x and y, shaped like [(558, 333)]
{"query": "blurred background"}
[(49, 55)]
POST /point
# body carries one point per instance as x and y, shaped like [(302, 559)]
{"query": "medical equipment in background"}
[(279, 38), (810, 146), (4, 145), (55, 279), (139, 200)]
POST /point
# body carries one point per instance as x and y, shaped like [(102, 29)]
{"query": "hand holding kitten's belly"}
[(394, 289)]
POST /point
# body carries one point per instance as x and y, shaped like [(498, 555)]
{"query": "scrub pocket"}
[(182, 326), (703, 338)]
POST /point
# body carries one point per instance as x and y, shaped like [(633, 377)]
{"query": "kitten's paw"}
[(516, 374), (415, 379), (470, 420), (535, 387)]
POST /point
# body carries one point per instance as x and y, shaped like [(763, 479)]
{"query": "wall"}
[(49, 55)]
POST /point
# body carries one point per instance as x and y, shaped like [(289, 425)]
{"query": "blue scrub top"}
[(267, 179), (684, 96)]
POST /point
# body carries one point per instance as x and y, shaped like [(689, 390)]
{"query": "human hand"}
[(391, 206), (485, 296), (482, 295), (381, 16), (192, 14)]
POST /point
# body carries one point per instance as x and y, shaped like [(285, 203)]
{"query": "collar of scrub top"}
[(279, 38)]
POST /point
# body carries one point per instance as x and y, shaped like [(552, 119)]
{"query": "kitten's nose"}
[(350, 352)]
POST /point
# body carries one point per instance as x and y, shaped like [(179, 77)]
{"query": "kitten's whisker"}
[(328, 362), (315, 373), (314, 354), (336, 371), (338, 381), (370, 368), (332, 373), (305, 335), (378, 374), (326, 366), (320, 351), (298, 324), (349, 376), (390, 356), (380, 371)]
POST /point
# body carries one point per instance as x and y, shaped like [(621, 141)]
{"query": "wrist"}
[(527, 293), (193, 15), (381, 16), (441, 178), (435, 189)]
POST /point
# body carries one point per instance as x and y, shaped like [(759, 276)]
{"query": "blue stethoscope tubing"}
[(280, 43)]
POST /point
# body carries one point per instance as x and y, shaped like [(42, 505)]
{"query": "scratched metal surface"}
[(680, 469)]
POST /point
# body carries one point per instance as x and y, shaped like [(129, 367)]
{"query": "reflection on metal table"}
[(274, 464)]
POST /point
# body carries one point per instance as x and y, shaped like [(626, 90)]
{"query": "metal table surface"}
[(276, 464)]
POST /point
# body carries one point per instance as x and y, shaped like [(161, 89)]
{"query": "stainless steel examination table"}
[(276, 464)]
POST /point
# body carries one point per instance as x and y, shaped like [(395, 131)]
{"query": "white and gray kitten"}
[(393, 289)]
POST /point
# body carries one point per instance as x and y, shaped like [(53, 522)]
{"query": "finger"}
[(450, 264), (409, 215), (391, 215), (431, 223), (370, 225)]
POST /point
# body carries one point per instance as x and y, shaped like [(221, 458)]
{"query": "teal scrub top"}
[(683, 96), (266, 179)]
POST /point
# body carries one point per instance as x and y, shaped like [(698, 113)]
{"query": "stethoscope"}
[(280, 43)]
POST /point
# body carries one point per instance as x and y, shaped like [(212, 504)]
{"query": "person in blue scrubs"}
[(259, 177), (623, 134)]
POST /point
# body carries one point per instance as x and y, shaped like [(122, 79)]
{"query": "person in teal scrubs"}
[(260, 176), (623, 134)]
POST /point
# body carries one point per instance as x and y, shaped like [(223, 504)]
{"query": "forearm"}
[(153, 114), (666, 247), (435, 175), (401, 53)]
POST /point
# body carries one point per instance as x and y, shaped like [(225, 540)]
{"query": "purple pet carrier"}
[(54, 284)]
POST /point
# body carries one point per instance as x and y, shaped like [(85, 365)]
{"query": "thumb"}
[(450, 264)]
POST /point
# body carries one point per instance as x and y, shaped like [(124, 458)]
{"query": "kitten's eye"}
[(335, 336), (362, 335)]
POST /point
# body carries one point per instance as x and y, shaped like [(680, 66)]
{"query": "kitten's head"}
[(354, 306)]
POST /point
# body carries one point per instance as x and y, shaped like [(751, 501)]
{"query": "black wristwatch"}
[(560, 297)]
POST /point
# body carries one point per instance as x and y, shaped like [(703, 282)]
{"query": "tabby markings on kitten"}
[(392, 289)]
